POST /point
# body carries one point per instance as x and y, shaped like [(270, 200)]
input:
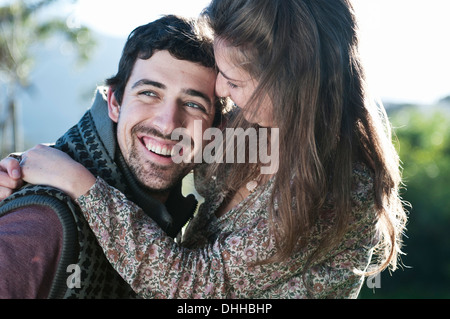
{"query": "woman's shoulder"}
[(362, 183), (363, 194)]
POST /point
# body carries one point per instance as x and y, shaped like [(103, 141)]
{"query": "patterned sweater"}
[(214, 259)]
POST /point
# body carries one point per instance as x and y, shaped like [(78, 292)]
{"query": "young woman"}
[(310, 229)]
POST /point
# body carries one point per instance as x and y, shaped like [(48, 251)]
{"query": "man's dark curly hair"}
[(184, 38)]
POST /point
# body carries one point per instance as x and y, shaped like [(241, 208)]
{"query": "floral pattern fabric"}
[(215, 258)]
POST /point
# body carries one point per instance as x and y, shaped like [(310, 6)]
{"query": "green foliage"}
[(424, 146)]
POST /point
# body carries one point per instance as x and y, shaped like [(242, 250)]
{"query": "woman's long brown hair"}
[(304, 53)]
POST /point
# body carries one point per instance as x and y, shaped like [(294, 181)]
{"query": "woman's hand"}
[(48, 166), (10, 176)]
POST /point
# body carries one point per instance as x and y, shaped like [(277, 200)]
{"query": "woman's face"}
[(236, 83)]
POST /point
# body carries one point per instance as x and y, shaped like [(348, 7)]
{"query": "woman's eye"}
[(232, 85)]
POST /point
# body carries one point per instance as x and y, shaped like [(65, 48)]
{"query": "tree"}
[(424, 146), (22, 28)]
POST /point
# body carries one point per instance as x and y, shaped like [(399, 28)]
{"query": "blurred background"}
[(54, 53)]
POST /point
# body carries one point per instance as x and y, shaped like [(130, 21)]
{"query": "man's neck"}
[(162, 197)]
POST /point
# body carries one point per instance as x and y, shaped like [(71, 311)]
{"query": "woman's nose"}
[(221, 86)]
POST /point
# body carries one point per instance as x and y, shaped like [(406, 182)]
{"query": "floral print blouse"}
[(215, 257)]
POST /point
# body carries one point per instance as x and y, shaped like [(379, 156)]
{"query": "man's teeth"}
[(165, 150)]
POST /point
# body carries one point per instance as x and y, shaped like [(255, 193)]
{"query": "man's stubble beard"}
[(156, 178)]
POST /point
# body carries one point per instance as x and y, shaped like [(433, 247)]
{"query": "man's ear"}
[(113, 106)]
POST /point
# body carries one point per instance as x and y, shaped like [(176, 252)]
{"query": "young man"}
[(165, 81)]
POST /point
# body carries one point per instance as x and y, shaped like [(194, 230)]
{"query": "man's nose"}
[(169, 117)]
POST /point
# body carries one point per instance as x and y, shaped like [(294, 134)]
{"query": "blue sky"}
[(404, 43)]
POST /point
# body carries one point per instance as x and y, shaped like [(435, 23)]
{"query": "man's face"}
[(162, 94)]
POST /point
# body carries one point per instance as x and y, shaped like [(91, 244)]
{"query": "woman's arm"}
[(157, 267), (45, 165), (149, 260)]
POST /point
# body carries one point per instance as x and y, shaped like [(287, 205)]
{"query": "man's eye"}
[(148, 93), (196, 106)]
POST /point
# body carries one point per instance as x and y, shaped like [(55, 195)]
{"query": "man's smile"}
[(157, 147)]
